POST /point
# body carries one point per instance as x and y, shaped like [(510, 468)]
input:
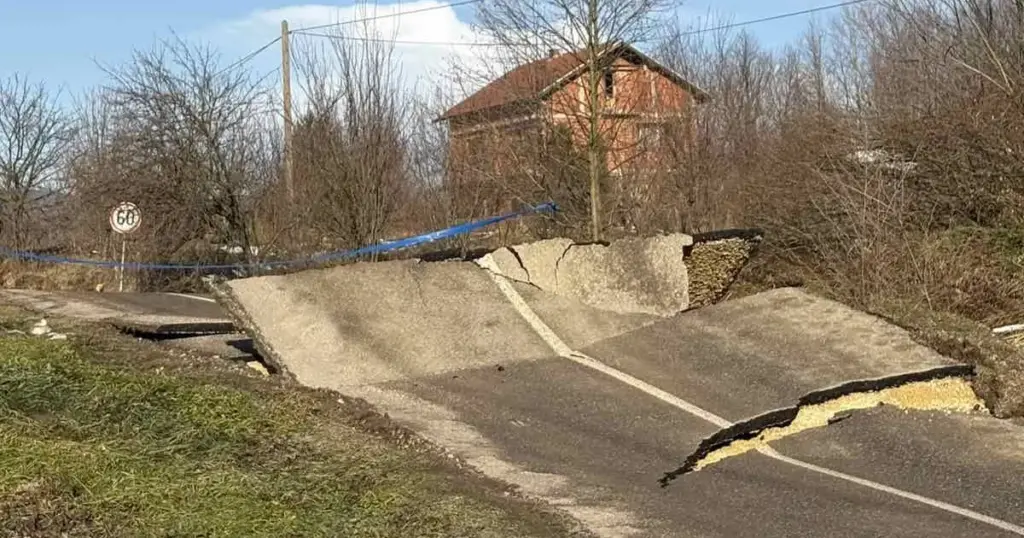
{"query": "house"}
[(640, 101)]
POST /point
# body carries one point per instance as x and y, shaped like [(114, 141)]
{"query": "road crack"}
[(522, 265), (942, 389), (558, 262)]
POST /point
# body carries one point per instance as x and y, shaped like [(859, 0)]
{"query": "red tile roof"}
[(529, 80), (522, 83)]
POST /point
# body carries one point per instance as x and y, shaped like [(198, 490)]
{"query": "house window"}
[(609, 83)]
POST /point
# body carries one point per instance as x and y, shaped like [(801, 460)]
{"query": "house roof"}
[(540, 78)]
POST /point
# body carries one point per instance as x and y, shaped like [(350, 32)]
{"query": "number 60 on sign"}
[(125, 218)]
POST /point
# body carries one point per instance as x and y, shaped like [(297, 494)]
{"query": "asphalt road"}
[(611, 445), (587, 409), (154, 313)]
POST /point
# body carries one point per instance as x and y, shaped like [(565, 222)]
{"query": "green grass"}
[(103, 448)]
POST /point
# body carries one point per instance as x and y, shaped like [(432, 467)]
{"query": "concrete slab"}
[(226, 346), (163, 326), (375, 322), (579, 324), (636, 275), (746, 357)]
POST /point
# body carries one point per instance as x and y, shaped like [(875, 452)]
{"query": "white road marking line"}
[(666, 397), (1006, 526), (196, 297), (563, 350)]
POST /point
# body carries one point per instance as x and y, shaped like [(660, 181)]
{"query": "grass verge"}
[(104, 436)]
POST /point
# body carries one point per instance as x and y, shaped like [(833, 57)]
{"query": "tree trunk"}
[(593, 138)]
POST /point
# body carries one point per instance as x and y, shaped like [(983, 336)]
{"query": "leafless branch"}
[(34, 133)]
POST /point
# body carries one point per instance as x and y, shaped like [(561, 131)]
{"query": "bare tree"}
[(436, 197), (34, 133), (711, 177), (351, 142), (588, 29)]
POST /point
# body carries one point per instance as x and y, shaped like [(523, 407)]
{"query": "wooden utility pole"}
[(286, 87), (594, 156)]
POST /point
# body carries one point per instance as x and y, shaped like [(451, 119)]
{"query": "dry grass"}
[(1016, 340), (63, 277), (969, 272)]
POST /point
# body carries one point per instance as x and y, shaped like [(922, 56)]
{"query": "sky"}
[(61, 42)]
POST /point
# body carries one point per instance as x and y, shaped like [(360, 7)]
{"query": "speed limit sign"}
[(125, 218)]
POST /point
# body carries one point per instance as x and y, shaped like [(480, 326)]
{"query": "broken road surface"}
[(588, 406), (190, 322)]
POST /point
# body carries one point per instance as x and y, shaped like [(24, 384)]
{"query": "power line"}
[(397, 41), (262, 79), (776, 17), (389, 15), (249, 56), (305, 31), (271, 43), (302, 31)]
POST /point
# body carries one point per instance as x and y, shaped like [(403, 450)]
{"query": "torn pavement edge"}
[(226, 298), (174, 330), (752, 427)]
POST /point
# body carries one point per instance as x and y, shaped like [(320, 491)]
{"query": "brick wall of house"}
[(483, 151), (637, 91), (481, 145)]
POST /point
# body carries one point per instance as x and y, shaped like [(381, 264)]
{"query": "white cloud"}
[(424, 66)]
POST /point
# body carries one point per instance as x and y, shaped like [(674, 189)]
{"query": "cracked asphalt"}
[(588, 408)]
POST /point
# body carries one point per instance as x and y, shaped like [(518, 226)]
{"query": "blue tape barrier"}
[(387, 246)]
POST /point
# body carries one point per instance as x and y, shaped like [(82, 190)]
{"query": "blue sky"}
[(60, 41)]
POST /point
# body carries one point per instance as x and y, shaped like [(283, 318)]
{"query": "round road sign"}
[(125, 218)]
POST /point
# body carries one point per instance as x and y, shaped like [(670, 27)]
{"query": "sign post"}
[(125, 218)]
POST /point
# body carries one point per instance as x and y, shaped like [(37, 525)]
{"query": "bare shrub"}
[(879, 153), (184, 139), (351, 143)]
